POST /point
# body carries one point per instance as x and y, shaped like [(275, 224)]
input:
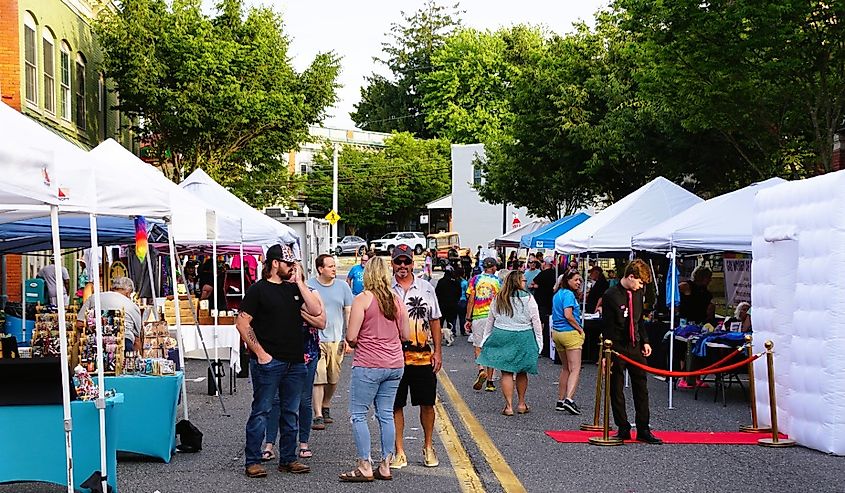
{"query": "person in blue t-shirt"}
[(355, 278), (568, 336)]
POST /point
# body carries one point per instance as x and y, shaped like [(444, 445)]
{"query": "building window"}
[(65, 82), (80, 91), (49, 49), (476, 175), (30, 59)]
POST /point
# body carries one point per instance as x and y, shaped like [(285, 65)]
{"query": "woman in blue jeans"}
[(311, 337), (378, 323)]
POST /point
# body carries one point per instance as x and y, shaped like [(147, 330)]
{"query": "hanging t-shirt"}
[(484, 287)]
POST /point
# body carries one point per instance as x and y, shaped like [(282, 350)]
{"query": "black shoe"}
[(570, 407), (647, 437), (623, 434)]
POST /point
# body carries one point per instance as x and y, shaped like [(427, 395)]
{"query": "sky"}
[(355, 31)]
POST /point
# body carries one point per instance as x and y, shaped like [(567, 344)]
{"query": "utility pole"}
[(334, 197)]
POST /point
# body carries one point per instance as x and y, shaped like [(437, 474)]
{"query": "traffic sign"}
[(332, 217)]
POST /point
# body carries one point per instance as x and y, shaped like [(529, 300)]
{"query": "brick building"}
[(50, 70)]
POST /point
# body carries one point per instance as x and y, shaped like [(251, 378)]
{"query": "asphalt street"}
[(481, 450)]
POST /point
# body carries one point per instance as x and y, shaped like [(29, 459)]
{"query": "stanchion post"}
[(754, 427), (595, 425), (606, 440), (775, 441)]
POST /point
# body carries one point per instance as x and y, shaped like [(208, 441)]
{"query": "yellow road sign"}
[(332, 216)]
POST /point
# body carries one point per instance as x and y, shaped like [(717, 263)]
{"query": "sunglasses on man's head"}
[(403, 261)]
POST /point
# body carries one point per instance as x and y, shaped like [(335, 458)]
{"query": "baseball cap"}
[(280, 252), (489, 262), (402, 250)]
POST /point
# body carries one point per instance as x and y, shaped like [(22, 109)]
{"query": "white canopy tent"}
[(43, 176), (722, 223), (512, 238), (611, 230), (258, 228)]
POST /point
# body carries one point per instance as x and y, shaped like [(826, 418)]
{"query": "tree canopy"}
[(216, 92), (395, 103), (384, 187)]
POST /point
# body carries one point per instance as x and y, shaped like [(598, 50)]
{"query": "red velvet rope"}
[(706, 371)]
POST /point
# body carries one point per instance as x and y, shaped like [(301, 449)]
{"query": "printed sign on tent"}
[(737, 280)]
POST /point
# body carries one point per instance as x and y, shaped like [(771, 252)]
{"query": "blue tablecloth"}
[(32, 442), (146, 422)]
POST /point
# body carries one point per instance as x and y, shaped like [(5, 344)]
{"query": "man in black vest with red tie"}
[(622, 313)]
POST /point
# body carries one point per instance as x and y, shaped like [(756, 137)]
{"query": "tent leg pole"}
[(60, 303), (178, 311), (152, 282), (98, 324), (674, 274)]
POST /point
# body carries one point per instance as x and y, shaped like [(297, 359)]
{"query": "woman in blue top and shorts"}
[(568, 336)]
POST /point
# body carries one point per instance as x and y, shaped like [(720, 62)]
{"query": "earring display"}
[(113, 342), (45, 336)]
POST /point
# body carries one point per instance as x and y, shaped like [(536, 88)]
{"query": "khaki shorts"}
[(328, 368), (567, 341)]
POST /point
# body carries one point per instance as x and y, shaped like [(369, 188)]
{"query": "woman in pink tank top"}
[(378, 323)]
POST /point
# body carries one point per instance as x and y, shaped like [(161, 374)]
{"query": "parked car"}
[(446, 248), (386, 243), (351, 245)]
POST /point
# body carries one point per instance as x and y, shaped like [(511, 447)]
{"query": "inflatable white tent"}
[(797, 302), (611, 230)]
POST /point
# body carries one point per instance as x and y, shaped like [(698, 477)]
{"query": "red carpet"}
[(672, 437)]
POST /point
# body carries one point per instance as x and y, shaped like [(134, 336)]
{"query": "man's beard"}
[(402, 272), (286, 276)]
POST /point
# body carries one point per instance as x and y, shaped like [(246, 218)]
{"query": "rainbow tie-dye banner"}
[(141, 246)]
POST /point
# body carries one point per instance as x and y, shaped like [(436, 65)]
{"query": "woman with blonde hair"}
[(378, 323), (512, 339)]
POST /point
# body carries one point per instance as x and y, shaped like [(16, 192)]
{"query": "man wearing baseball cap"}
[(481, 291), (422, 362), (270, 322)]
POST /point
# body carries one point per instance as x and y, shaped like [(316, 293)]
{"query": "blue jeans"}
[(283, 380), (373, 386), (462, 316), (305, 412)]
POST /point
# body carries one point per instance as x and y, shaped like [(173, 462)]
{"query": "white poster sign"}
[(737, 280)]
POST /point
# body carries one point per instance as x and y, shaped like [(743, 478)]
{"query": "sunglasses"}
[(403, 261)]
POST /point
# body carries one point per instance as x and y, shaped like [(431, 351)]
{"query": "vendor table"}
[(722, 380), (146, 421), (227, 338), (33, 442)]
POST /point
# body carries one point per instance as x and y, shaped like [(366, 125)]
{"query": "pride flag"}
[(141, 246)]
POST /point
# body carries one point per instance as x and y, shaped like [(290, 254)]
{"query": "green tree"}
[(395, 103), (379, 188), (465, 95), (767, 77), (216, 92)]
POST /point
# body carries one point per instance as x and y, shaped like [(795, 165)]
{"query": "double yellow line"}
[(464, 470)]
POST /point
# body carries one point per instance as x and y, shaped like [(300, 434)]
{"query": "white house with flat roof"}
[(475, 220)]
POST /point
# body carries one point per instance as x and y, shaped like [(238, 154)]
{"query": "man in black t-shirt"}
[(270, 322), (622, 313), (544, 286)]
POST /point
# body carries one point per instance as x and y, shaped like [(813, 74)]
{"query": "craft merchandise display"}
[(113, 342), (45, 336), (157, 340)]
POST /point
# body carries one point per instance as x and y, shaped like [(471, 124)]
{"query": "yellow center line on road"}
[(467, 477), (510, 483)]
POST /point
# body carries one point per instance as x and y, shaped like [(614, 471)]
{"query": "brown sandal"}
[(524, 410), (505, 412), (379, 475), (355, 476)]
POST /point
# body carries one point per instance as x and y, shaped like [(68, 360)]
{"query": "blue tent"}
[(34, 234), (545, 237)]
